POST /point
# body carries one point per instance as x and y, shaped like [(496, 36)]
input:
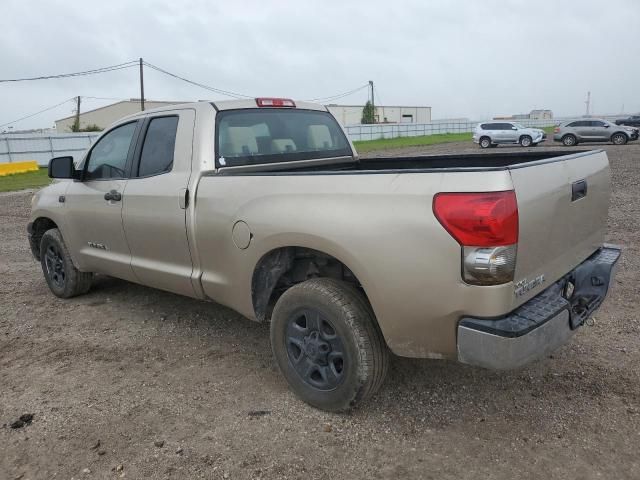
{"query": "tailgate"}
[(562, 206)]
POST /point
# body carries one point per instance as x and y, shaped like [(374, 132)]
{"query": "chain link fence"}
[(43, 147)]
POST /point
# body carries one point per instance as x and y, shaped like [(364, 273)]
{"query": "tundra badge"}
[(523, 286)]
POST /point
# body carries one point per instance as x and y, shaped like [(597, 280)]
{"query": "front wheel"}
[(619, 139), (526, 141), (485, 142), (63, 278), (327, 344)]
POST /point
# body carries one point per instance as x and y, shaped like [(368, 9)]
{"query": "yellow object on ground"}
[(18, 167)]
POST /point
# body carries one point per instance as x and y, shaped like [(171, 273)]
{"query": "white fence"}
[(380, 130), (43, 147)]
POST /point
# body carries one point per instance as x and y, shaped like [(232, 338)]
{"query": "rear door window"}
[(158, 147), (268, 135)]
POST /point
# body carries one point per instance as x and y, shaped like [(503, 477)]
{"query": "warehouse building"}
[(352, 114), (533, 115), (105, 116), (346, 114)]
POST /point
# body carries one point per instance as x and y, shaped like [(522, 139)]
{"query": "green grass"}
[(364, 146), (399, 142), (21, 181)]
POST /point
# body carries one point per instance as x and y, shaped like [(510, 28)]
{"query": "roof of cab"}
[(222, 105), (251, 103)]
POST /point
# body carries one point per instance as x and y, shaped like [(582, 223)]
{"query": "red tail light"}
[(479, 219), (275, 102), (556, 130)]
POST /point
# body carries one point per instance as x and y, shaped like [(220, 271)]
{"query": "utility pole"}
[(373, 102), (76, 123), (588, 102), (141, 86)]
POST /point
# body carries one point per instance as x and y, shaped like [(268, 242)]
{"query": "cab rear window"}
[(269, 135)]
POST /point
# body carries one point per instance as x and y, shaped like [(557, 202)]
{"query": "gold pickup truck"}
[(264, 206)]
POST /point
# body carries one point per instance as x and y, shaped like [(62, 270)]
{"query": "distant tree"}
[(89, 128), (368, 114)]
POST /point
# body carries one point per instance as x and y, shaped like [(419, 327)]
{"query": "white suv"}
[(492, 134)]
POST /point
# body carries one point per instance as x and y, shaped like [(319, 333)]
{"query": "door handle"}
[(113, 195)]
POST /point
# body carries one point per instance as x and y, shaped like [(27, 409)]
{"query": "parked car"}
[(264, 206), (632, 121), (492, 134), (593, 130)]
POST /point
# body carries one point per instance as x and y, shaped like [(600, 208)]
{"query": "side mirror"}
[(606, 126), (62, 167), (514, 128)]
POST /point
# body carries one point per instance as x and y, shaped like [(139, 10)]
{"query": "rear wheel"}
[(327, 344), (619, 138), (526, 141), (569, 140), (485, 142), (63, 278)]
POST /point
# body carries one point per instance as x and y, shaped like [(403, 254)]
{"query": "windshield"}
[(268, 135)]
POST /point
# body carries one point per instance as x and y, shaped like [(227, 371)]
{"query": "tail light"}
[(556, 130), (275, 102), (486, 227)]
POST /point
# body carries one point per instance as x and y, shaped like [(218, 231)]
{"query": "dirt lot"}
[(111, 375)]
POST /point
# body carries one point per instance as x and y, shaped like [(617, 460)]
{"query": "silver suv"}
[(492, 134), (593, 130)]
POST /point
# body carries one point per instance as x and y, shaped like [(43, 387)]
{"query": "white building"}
[(346, 114), (105, 116), (352, 114)]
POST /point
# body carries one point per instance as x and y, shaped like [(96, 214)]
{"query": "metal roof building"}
[(346, 114), (105, 116), (352, 114)]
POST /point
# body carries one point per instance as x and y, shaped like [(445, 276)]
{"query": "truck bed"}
[(414, 164)]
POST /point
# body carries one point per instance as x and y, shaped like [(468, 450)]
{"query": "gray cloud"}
[(464, 58)]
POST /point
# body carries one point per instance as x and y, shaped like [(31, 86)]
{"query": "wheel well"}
[(39, 226), (569, 135), (621, 132), (485, 136), (284, 267), (525, 135)]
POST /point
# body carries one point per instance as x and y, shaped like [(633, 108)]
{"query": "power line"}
[(74, 74), (38, 113), (339, 95), (105, 98), (377, 95), (201, 85)]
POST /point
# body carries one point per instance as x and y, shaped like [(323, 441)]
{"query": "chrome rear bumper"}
[(542, 324)]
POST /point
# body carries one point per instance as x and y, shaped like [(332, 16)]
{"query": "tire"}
[(327, 344), (485, 142), (525, 141), (63, 278), (619, 138), (569, 140)]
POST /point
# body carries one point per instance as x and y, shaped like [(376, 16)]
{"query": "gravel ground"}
[(132, 382)]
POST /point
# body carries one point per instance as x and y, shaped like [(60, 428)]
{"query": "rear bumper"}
[(542, 324)]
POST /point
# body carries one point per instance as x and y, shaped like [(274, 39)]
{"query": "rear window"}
[(268, 135)]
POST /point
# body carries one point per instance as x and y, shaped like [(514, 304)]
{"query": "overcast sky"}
[(468, 58)]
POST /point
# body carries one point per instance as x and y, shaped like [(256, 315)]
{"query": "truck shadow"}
[(417, 394)]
